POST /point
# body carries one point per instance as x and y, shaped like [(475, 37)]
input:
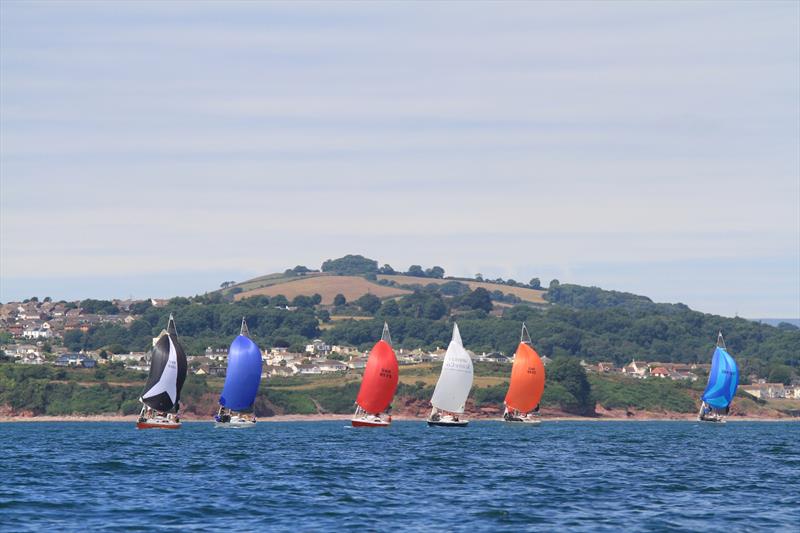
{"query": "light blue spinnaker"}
[(244, 373), (722, 380)]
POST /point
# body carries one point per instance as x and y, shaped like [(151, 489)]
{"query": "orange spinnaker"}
[(527, 380), (380, 379)]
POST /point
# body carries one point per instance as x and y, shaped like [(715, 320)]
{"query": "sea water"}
[(324, 476)]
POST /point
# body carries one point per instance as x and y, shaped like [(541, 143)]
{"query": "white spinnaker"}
[(455, 381), (169, 377)]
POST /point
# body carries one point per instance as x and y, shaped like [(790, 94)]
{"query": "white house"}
[(636, 370), (327, 366)]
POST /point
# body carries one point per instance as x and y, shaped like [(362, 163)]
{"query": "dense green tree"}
[(453, 288), (303, 301), (435, 272), (140, 307), (781, 374), (350, 265), (369, 303), (415, 271), (279, 300), (477, 299), (568, 373), (100, 307), (535, 283), (390, 308), (387, 270), (339, 300), (73, 340)]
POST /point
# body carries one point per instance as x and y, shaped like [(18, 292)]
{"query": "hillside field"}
[(327, 286), (526, 295), (353, 287)]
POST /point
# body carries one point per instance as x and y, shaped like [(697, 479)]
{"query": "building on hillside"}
[(30, 359), (767, 391), (36, 332), (327, 366), (636, 369), (75, 360), (272, 370), (659, 372), (319, 347), (216, 354), (132, 357), (357, 363), (21, 350), (308, 369)]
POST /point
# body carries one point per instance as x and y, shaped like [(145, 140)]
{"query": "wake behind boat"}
[(162, 392), (452, 389), (723, 379), (527, 384), (378, 385), (241, 382)]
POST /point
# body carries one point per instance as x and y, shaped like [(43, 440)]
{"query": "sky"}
[(160, 148)]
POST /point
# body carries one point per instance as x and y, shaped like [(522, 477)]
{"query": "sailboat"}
[(452, 389), (241, 382), (527, 384), (722, 382), (162, 392), (378, 385)]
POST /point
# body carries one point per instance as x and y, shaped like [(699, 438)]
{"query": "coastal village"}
[(32, 333)]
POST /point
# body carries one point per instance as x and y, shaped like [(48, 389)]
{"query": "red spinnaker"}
[(380, 379)]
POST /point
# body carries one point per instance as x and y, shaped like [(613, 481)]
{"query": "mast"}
[(524, 336), (386, 336), (721, 341), (244, 331)]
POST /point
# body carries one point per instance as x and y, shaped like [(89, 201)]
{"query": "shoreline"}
[(346, 418)]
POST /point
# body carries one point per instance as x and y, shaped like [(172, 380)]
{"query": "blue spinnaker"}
[(722, 380), (243, 376)]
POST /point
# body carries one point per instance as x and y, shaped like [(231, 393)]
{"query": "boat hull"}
[(711, 420), (235, 424), (448, 423), (365, 423), (157, 424), (523, 421)]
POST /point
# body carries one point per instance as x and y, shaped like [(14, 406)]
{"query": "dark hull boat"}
[(161, 396)]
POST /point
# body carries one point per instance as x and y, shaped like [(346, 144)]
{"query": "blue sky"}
[(155, 149)]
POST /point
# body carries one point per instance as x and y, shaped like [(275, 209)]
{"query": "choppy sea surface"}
[(326, 476)]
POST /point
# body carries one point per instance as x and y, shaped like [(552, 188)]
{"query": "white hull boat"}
[(236, 422), (447, 421)]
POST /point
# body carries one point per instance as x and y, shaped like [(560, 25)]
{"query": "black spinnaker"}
[(167, 372)]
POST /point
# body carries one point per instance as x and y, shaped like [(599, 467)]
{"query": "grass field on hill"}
[(526, 295), (352, 287)]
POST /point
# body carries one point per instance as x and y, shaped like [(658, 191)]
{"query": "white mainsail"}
[(455, 381)]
